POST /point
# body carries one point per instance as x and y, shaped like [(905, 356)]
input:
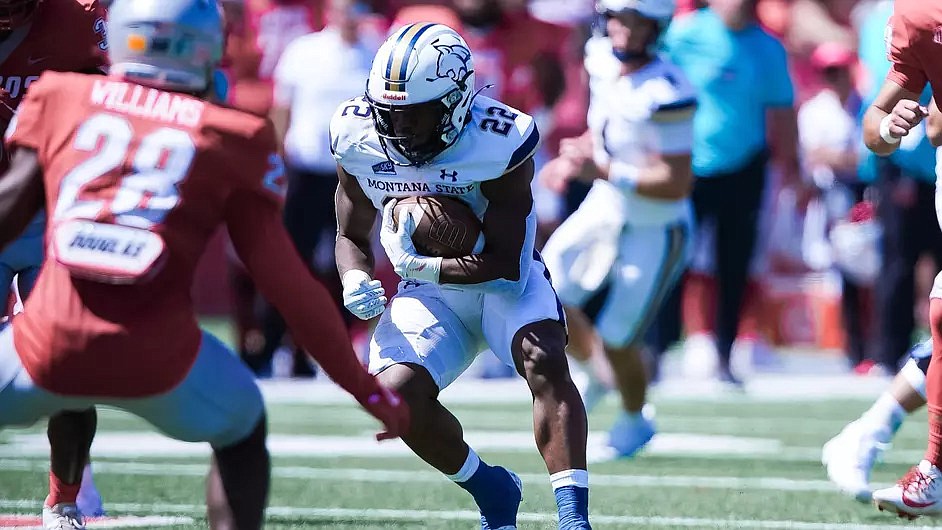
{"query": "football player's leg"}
[(651, 260), (920, 491), (418, 348), (736, 233), (529, 331), (580, 255), (849, 457), (218, 402), (22, 403)]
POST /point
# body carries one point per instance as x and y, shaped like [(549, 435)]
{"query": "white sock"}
[(468, 469), (570, 477), (886, 413)]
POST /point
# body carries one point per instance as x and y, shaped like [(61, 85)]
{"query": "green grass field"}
[(719, 461)]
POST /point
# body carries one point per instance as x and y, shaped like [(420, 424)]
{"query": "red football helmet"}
[(15, 13)]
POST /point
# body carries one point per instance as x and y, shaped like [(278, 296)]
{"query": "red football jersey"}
[(127, 156), (914, 45), (64, 36)]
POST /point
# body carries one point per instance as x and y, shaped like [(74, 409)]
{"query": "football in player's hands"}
[(445, 226)]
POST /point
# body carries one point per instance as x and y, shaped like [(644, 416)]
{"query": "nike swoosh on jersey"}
[(32, 61)]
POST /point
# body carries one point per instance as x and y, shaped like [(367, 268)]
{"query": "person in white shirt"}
[(316, 73), (619, 255)]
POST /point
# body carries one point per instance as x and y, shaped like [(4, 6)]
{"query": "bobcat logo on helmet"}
[(452, 62)]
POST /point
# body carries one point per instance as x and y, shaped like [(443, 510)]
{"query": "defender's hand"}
[(390, 409)]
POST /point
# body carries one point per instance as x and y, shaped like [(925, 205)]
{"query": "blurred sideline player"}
[(419, 130), (124, 244), (850, 456), (913, 42), (618, 256), (33, 39)]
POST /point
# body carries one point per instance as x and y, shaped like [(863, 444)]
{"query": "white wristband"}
[(353, 278), (885, 131)]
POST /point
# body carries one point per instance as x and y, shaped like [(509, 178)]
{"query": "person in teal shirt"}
[(741, 75)]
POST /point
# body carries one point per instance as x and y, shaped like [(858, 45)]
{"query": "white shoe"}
[(849, 457), (632, 432), (701, 358), (89, 500), (63, 516), (917, 493)]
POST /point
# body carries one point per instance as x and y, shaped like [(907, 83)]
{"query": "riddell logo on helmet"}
[(395, 96)]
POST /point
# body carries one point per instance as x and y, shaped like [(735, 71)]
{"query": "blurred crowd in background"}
[(842, 261)]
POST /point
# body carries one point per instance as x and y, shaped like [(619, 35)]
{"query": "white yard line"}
[(761, 387), (374, 514), (396, 475)]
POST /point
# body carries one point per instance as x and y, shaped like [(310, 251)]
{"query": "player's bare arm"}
[(21, 194), (666, 176), (355, 219), (891, 116), (934, 124), (505, 230)]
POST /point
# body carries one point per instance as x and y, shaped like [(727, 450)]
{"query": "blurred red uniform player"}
[(254, 47), (914, 40), (258, 31), (34, 39), (136, 180)]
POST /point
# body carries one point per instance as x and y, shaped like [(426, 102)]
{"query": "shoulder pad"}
[(507, 136), (350, 125), (673, 97)]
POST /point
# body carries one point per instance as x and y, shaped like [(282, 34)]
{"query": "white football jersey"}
[(496, 140), (633, 116)]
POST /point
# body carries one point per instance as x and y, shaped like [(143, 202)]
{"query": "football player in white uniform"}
[(421, 130), (618, 256), (850, 456)]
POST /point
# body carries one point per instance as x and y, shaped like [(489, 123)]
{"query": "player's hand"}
[(390, 409), (397, 241), (905, 115), (362, 295)]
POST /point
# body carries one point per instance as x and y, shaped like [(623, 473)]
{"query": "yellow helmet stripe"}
[(398, 64)]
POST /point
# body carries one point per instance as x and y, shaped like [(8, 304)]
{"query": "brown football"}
[(449, 229)]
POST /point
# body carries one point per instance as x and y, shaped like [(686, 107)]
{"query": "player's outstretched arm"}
[(891, 116), (256, 229), (505, 231), (21, 194)]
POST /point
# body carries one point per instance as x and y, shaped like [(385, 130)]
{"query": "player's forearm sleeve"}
[(263, 245)]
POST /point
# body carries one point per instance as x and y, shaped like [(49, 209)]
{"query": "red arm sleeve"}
[(25, 129), (906, 69), (259, 237)]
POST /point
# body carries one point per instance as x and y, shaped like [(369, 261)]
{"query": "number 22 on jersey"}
[(102, 221)]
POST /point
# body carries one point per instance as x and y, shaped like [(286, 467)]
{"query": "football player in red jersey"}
[(33, 40), (138, 170), (914, 39)]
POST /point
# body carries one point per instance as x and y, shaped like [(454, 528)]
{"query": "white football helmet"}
[(420, 88), (168, 44), (660, 11)]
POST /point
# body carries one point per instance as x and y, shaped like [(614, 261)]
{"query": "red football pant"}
[(934, 384)]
